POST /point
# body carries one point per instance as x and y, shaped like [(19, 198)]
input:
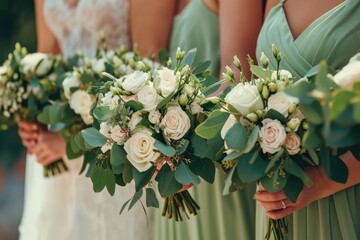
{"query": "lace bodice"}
[(78, 28)]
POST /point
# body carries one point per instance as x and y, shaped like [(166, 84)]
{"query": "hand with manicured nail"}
[(28, 132)]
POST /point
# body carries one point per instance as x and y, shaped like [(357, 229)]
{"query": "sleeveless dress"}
[(65, 207), (334, 37), (220, 217)]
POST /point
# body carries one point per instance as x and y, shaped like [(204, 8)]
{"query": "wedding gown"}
[(65, 206)]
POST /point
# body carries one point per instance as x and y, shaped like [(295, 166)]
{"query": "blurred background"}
[(17, 24)]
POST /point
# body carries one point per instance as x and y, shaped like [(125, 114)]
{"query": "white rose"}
[(154, 117), (87, 118), (81, 102), (292, 143), (227, 125), (140, 150), (281, 102), (349, 75), (70, 82), (272, 135), (148, 97), (134, 81), (175, 123), (195, 108), (166, 82), (118, 134), (110, 100), (283, 74), (188, 90), (245, 98), (37, 63), (107, 146), (105, 129), (98, 65), (135, 119)]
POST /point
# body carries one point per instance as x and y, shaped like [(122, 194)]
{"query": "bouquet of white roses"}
[(145, 122), (28, 82), (262, 130), (331, 104), (70, 113)]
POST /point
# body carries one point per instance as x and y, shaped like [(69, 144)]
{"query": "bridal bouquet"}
[(263, 131), (70, 113), (28, 82), (144, 126), (331, 104)]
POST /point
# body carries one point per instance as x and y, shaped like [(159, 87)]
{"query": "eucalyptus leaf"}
[(182, 146), (110, 181), (164, 149), (293, 168), (205, 168), (261, 72), (98, 178), (313, 112), (236, 137), (301, 91), (142, 178), (163, 55), (127, 172), (201, 67), (93, 138), (167, 183), (189, 57), (274, 159), (249, 172), (151, 199), (117, 155), (213, 125), (293, 188), (228, 182), (135, 199), (134, 105), (274, 181), (102, 113), (166, 100), (124, 206), (312, 137), (184, 175), (340, 103)]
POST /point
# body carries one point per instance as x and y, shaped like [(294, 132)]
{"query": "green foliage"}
[(167, 182), (184, 175), (251, 167), (165, 149), (213, 125), (236, 137), (93, 138), (261, 72)]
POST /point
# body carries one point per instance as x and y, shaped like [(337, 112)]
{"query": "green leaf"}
[(165, 101), (236, 137), (102, 113), (89, 159), (98, 178), (314, 156), (301, 91), (151, 199), (274, 159), (207, 149), (124, 206), (213, 125), (167, 183), (79, 139), (201, 67), (357, 112), (163, 55), (164, 149), (261, 72), (340, 103), (127, 172), (252, 139), (189, 57), (44, 117), (313, 112), (205, 168), (334, 167), (293, 168), (293, 188), (182, 146), (322, 82), (249, 172), (273, 114), (339, 136), (142, 178), (228, 186), (117, 155), (110, 181), (312, 138), (73, 152), (56, 113), (274, 181), (134, 105), (184, 175), (136, 198), (233, 155), (93, 138)]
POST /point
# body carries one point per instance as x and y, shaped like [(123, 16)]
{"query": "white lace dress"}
[(65, 207)]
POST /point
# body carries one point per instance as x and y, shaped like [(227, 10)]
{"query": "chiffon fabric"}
[(333, 37)]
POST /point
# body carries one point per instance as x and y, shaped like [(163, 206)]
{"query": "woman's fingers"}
[(277, 205), (266, 196), (28, 126), (278, 214)]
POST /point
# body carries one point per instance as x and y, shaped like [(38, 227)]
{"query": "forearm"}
[(332, 187)]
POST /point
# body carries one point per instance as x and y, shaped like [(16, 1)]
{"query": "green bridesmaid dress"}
[(334, 37), (220, 217)]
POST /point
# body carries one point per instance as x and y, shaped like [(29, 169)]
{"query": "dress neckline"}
[(311, 24)]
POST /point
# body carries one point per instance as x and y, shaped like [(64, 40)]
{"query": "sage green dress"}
[(334, 37), (220, 217)]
